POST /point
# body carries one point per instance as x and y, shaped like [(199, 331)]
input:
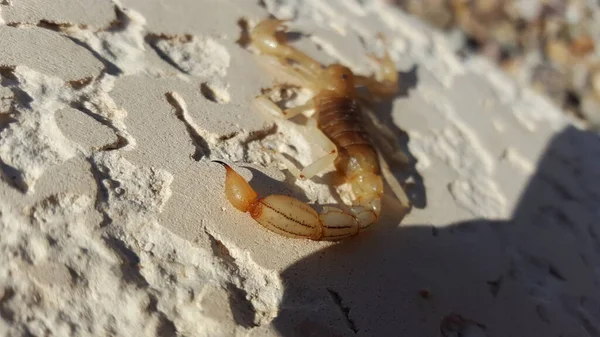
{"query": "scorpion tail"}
[(293, 218), (281, 214)]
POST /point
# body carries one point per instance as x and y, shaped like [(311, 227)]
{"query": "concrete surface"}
[(113, 219)]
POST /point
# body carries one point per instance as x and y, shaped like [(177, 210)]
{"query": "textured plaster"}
[(113, 219)]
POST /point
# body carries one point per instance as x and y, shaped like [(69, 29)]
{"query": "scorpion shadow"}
[(536, 274), (392, 140)]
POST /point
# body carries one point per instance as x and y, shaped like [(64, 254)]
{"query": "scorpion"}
[(336, 127)]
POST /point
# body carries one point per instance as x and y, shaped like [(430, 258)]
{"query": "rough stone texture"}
[(85, 12), (113, 220), (68, 61)]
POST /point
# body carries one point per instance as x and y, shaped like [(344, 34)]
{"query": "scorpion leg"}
[(393, 182), (322, 163), (264, 103)]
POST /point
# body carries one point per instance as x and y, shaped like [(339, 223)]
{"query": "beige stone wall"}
[(113, 219)]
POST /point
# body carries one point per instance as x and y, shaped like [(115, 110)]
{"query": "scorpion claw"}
[(269, 37)]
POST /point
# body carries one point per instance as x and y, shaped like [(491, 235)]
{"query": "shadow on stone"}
[(13, 177), (391, 141), (535, 274)]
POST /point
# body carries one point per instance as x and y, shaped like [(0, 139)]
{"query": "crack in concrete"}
[(345, 310)]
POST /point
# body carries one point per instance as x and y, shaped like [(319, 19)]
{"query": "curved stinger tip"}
[(220, 162)]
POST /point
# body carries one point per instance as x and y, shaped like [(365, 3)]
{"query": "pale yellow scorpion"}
[(338, 130)]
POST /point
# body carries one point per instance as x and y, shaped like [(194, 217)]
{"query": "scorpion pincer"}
[(338, 130)]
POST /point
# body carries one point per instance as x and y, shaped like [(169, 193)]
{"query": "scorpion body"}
[(339, 131)]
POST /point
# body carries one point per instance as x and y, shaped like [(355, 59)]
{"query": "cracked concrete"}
[(113, 219)]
